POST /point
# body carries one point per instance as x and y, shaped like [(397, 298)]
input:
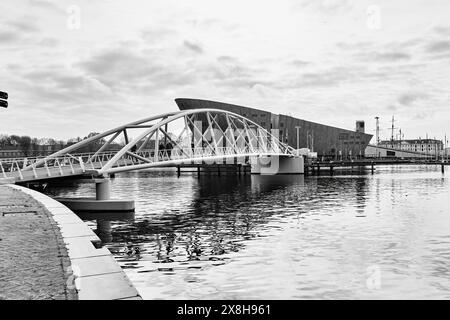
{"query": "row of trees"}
[(32, 147), (41, 146)]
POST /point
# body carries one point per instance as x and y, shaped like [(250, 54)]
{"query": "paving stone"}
[(61, 210), (67, 218), (82, 247), (108, 287), (70, 230), (96, 265)]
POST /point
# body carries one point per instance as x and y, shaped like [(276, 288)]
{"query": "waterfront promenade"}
[(47, 252), (33, 257)]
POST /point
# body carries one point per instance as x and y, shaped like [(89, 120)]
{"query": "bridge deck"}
[(23, 170)]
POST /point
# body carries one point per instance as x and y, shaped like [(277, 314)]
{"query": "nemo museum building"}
[(329, 142)]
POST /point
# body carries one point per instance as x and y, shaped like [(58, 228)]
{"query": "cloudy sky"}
[(73, 67)]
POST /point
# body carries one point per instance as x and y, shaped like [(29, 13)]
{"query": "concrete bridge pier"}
[(102, 201), (103, 188), (272, 165)]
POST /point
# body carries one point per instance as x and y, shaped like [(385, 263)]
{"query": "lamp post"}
[(298, 136)]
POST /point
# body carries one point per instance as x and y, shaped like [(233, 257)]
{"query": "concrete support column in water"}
[(103, 189)]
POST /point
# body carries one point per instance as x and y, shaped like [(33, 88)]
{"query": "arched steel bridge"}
[(204, 135)]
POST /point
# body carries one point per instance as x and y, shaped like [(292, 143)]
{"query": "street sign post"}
[(3, 98)]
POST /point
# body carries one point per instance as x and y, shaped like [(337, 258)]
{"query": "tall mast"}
[(392, 133), (377, 134)]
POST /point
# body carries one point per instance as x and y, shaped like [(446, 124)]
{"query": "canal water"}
[(350, 236)]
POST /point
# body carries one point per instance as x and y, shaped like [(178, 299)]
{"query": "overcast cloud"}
[(327, 61)]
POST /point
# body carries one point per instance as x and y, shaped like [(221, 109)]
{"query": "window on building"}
[(390, 153)]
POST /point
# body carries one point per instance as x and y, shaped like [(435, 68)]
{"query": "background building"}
[(426, 146), (384, 152), (327, 141)]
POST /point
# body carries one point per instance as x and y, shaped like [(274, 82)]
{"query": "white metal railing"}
[(70, 164), (18, 167)]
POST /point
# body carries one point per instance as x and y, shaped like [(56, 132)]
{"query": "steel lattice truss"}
[(203, 136)]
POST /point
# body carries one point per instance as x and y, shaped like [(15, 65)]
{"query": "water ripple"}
[(259, 237)]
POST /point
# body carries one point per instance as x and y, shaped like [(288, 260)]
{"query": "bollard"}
[(318, 169), (178, 171), (331, 169), (373, 168), (103, 189), (442, 168), (198, 171)]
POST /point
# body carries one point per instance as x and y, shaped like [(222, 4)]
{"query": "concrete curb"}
[(96, 274)]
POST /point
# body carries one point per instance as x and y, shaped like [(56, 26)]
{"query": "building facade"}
[(11, 152), (383, 152), (425, 146), (327, 141)]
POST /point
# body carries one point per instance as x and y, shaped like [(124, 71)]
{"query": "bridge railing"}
[(81, 162), (18, 167), (196, 152)]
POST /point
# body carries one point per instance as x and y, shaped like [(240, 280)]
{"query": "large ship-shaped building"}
[(327, 141)]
